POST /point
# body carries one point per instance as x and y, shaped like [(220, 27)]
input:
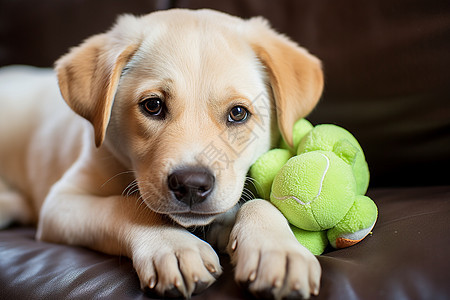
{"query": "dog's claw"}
[(214, 272), (252, 276), (211, 269), (277, 283), (234, 245), (152, 282), (177, 283), (316, 291)]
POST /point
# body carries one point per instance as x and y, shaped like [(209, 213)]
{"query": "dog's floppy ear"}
[(88, 77), (295, 76)]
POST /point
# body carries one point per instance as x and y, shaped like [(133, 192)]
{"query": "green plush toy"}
[(321, 189)]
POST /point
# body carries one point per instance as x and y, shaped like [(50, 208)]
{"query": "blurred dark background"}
[(386, 63)]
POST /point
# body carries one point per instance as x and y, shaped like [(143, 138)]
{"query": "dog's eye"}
[(153, 106), (238, 114)]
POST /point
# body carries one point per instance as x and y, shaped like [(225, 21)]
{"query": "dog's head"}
[(189, 100)]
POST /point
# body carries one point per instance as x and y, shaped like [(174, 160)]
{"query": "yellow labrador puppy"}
[(178, 105)]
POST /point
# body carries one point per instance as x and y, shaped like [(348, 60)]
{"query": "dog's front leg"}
[(267, 256), (168, 259)]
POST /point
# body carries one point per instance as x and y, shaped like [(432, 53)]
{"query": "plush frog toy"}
[(319, 186)]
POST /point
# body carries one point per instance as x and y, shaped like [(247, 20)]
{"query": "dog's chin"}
[(192, 219)]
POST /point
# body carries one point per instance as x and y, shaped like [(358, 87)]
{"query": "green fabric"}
[(314, 241), (320, 190), (361, 215), (265, 168), (322, 182), (326, 137)]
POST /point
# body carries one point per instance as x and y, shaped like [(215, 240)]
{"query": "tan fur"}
[(88, 80), (294, 75), (102, 183)]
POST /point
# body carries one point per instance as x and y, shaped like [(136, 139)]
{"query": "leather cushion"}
[(406, 257)]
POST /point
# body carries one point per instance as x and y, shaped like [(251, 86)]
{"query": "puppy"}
[(167, 113)]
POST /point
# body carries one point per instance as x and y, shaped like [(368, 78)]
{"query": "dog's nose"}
[(191, 186)]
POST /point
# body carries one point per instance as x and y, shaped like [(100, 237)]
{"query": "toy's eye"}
[(153, 106), (238, 114)]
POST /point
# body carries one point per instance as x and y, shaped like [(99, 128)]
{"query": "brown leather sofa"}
[(387, 70)]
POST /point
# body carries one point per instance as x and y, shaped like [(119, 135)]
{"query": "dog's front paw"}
[(275, 268), (178, 266), (271, 262)]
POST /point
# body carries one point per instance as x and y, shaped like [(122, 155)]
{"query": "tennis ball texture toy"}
[(320, 190)]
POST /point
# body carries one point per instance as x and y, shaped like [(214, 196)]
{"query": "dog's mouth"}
[(189, 219), (182, 198)]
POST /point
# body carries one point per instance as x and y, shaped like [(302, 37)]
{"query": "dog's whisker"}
[(142, 202), (249, 180), (141, 199), (133, 191), (247, 195), (118, 174), (253, 182), (128, 188), (131, 188)]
